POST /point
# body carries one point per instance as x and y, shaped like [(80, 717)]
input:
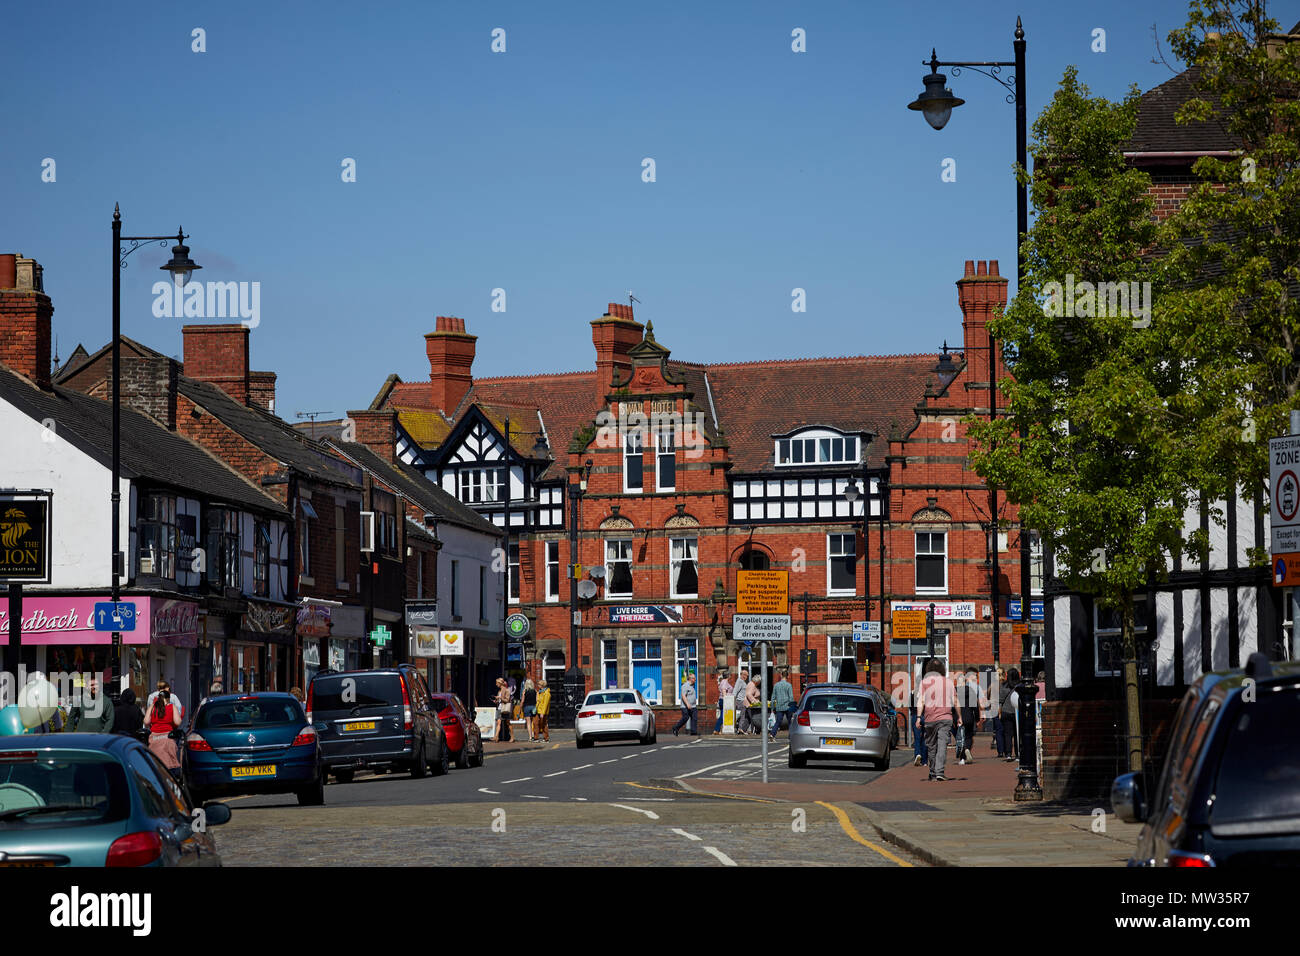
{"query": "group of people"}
[(748, 694), (533, 705)]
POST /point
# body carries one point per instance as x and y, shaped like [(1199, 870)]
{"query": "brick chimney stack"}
[(613, 334), (982, 294), (261, 390), (377, 431), (451, 359), (25, 313), (218, 354), (148, 386)]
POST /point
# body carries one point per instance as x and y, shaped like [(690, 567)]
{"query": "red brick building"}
[(694, 472)]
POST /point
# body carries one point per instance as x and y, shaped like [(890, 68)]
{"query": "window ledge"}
[(307, 580), (341, 586)]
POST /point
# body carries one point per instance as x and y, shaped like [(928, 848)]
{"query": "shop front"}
[(313, 627), (174, 638), (261, 655)]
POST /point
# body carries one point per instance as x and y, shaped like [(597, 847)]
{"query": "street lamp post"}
[(575, 682), (180, 266), (936, 103)]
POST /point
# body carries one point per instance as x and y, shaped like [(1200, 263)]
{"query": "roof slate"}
[(1158, 132)]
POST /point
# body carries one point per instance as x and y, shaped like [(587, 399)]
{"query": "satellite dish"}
[(586, 589), (597, 572)]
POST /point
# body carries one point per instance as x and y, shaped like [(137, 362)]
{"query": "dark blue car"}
[(252, 743), (96, 800)]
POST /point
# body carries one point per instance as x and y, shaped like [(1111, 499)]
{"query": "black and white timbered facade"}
[(811, 467)]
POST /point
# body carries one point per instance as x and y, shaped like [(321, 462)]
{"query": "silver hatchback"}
[(840, 722)]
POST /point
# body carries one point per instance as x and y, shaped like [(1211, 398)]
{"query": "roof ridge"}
[(842, 359), (530, 376)]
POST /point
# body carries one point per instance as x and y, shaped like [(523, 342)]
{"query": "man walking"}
[(782, 704), (936, 713), (724, 691), (970, 703), (688, 706), (742, 712)]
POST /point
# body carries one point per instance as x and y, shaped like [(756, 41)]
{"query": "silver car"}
[(841, 722), (614, 714)]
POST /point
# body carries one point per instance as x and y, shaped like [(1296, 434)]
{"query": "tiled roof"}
[(148, 450), (274, 436), (130, 346), (567, 403), (1158, 132), (419, 489), (427, 428)]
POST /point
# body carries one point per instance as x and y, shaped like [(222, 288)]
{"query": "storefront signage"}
[(70, 620), (271, 621), (761, 627), (422, 615), (517, 625), (908, 624), (943, 610), (762, 592), (1014, 609), (451, 643), (314, 620), (25, 538), (646, 614), (424, 643), (176, 623)]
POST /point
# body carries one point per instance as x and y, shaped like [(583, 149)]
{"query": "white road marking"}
[(583, 767), (650, 813), (529, 796), (556, 774), (517, 780), (628, 757), (728, 763), (689, 836), (726, 860), (609, 761), (495, 793), (580, 799), (650, 751)]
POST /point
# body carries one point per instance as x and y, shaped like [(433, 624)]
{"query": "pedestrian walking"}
[(724, 691), (969, 704), (530, 708), (936, 710), (544, 710), (504, 708), (92, 712), (782, 704), (164, 719), (176, 701), (1003, 691), (753, 703), (689, 700), (739, 693), (1007, 714), (128, 718)]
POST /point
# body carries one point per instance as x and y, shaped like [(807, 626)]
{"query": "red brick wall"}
[(261, 390), (377, 431), (218, 354), (25, 343), (1082, 753)]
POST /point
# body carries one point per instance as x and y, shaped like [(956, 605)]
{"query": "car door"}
[(179, 846), (204, 844), (426, 717), (468, 726), (1169, 828)]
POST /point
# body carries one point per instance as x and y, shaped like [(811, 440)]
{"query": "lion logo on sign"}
[(13, 527)]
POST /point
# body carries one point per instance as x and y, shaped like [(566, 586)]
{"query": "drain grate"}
[(893, 806)]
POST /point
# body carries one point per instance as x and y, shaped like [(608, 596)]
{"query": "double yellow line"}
[(847, 826)]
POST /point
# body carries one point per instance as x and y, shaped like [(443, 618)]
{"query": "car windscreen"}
[(351, 691), (61, 788), (839, 704), (1259, 776), (620, 697), (258, 712)]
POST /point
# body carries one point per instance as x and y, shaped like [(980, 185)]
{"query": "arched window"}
[(754, 560)]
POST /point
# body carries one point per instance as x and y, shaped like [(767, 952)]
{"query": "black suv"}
[(1229, 793), (376, 719)]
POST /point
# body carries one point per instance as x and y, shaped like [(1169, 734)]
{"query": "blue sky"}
[(522, 170)]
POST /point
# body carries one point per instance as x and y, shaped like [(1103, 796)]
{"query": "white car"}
[(619, 713)]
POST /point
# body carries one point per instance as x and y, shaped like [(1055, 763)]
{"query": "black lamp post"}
[(936, 103), (575, 681), (181, 267)]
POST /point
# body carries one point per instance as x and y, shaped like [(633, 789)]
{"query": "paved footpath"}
[(968, 820)]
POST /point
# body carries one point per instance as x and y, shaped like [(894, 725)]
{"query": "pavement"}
[(971, 819), (521, 744)]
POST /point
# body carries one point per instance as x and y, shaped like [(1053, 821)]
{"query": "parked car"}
[(1229, 790), (619, 713), (376, 719), (252, 743), (97, 800), (464, 738), (841, 722)]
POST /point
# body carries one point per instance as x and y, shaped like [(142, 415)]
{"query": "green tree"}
[(1094, 446), (1234, 245)]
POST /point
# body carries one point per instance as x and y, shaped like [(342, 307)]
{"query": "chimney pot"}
[(218, 354), (970, 267), (9, 271), (451, 360)]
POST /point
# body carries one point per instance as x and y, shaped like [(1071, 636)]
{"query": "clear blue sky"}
[(522, 170)]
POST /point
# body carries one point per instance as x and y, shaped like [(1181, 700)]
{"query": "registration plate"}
[(359, 725), (610, 716), (26, 862), (265, 770), (837, 741)]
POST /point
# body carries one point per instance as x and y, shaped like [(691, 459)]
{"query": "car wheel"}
[(444, 764), (313, 796), (343, 776), (462, 757), (584, 744), (654, 734), (797, 760), (477, 759), (420, 767), (882, 763)]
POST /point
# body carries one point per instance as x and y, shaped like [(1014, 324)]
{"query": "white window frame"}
[(844, 640), (611, 561), (552, 547), (630, 437), (1099, 632), (632, 661), (677, 672), (917, 553), (784, 451), (675, 562), (512, 573), (664, 435), (1036, 564), (480, 485), (605, 660), (830, 557)]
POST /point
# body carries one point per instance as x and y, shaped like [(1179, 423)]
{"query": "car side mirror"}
[(216, 814), (1127, 799)]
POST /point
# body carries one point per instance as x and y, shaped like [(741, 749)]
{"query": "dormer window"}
[(818, 446)]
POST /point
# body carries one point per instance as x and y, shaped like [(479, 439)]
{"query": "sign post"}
[(763, 687)]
